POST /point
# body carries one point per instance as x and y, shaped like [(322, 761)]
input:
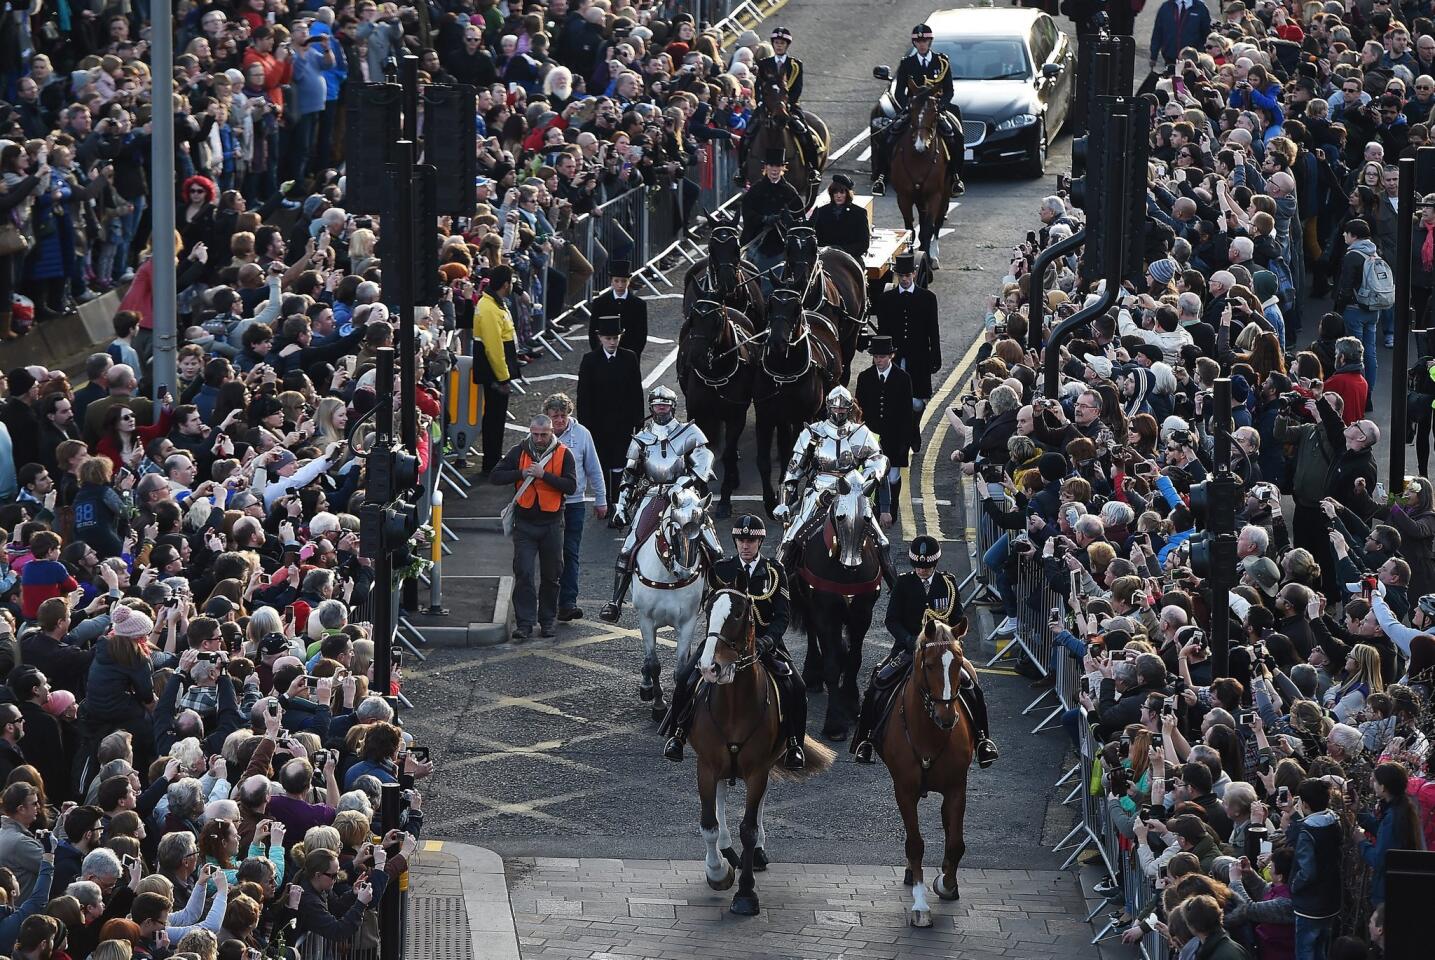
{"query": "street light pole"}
[(1405, 226), (164, 373)]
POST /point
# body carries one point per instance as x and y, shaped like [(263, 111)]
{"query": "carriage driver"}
[(786, 72), (921, 68), (766, 583), (919, 595), (665, 451), (824, 452)]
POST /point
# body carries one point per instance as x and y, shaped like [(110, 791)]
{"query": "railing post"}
[(436, 608)]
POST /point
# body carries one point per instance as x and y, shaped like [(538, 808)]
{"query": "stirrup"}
[(611, 611), (673, 749), (796, 758), (863, 753), (987, 753), (879, 186), (958, 187)]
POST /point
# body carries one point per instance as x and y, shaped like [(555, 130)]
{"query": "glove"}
[(617, 517), (765, 645), (780, 512)]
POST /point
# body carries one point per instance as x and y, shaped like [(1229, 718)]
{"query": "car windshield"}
[(986, 58)]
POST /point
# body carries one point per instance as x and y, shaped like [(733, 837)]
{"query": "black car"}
[(1014, 74)]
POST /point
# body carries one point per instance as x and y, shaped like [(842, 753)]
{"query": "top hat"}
[(608, 325), (881, 346), (775, 157), (620, 268), (905, 263)]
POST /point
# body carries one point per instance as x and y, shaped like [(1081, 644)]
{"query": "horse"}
[(715, 372), (833, 284), (922, 171), (668, 584), (801, 360), (838, 579), (772, 131), (727, 276), (736, 734), (927, 746)]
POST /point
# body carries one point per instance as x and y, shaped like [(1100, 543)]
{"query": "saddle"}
[(887, 678), (645, 526)]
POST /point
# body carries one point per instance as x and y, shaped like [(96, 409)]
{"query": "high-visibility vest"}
[(548, 499)]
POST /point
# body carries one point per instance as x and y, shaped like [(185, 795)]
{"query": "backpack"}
[(1377, 284)]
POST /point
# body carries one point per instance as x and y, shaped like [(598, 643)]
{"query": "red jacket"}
[(107, 447), (1350, 383), (276, 73)]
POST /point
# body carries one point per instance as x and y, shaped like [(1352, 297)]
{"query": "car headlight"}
[(1017, 122)]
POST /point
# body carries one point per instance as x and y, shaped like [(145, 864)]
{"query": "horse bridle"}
[(802, 341), (744, 660), (930, 702)]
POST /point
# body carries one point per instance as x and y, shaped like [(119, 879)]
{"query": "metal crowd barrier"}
[(986, 535), (363, 945)]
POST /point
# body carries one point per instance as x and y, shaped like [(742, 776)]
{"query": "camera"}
[(1158, 740), (992, 472), (1243, 717), (1177, 687), (1290, 399), (209, 656)]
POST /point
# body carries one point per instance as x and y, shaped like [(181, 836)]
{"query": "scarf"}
[(1427, 248)]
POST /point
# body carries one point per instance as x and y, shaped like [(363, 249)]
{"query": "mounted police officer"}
[(923, 593), (785, 72), (665, 451), (768, 207), (823, 454), (922, 68), (841, 223), (765, 582)]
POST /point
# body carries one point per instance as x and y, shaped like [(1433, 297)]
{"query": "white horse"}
[(668, 585)]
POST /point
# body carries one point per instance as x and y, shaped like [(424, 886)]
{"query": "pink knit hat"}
[(129, 622), (59, 702)]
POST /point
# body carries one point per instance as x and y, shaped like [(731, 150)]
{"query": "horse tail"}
[(820, 758)]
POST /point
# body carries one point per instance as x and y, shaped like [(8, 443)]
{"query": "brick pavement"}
[(602, 909)]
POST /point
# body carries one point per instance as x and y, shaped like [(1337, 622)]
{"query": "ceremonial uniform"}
[(922, 68), (630, 309), (909, 317), (886, 401), (845, 225), (768, 207), (765, 582), (786, 72), (610, 401), (917, 598)]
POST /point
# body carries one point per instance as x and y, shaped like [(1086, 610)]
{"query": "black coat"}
[(767, 588), (610, 403), (790, 76), (910, 319), (845, 227), (910, 604), (887, 409), (19, 418), (634, 311), (764, 204), (938, 73), (44, 745)]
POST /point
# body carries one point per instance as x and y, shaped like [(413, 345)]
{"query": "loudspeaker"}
[(449, 137), (1409, 891), (426, 212), (374, 123)]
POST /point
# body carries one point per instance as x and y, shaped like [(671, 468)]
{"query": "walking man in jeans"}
[(1315, 882), (542, 473), (1360, 321), (589, 476)]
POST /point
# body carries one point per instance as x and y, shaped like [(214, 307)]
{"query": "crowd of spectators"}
[(1262, 803), (191, 751)]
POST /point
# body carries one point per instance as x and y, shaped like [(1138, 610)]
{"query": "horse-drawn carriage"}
[(888, 243)]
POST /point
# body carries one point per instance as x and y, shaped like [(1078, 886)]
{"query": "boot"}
[(6, 330), (976, 704), (884, 553), (673, 749), (614, 608)]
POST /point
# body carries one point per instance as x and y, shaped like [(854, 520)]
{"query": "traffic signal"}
[(374, 122), (386, 527), (392, 472), (1214, 503), (1092, 192)]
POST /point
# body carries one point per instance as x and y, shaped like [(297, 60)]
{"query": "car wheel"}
[(1035, 165)]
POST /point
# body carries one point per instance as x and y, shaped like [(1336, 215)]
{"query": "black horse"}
[(801, 360), (832, 283), (727, 276), (837, 580), (715, 371)]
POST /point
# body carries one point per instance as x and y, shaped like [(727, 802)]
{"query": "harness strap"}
[(824, 585)]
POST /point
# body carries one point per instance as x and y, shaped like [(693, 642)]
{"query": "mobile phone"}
[(311, 682), (1283, 795), (163, 392), (128, 861), (1158, 739), (421, 754), (1243, 717), (1056, 614), (319, 757), (289, 612)]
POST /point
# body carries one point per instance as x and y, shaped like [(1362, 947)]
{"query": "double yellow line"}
[(932, 450)]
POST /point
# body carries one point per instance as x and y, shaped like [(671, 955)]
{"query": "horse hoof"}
[(659, 712), (934, 263), (730, 855), (726, 882), (937, 889), (759, 860), (646, 694), (745, 905), (907, 878), (921, 918)]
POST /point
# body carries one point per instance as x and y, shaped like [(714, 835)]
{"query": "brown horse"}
[(927, 746), (737, 735), (772, 131), (716, 348), (833, 284), (921, 171), (726, 276)]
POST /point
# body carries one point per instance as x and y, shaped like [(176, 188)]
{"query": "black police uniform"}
[(766, 204), (767, 586), (911, 605), (935, 71), (845, 227)]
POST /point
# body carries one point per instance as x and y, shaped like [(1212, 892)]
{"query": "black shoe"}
[(520, 635), (673, 749), (863, 753), (879, 188), (610, 613), (1045, 683), (547, 632), (796, 759), (739, 178), (570, 613), (987, 752)]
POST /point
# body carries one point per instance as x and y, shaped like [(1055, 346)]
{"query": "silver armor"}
[(659, 455), (824, 452)]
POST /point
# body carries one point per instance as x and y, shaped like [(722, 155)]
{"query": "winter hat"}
[(21, 380), (1240, 389), (1163, 270), (129, 622), (1051, 466), (1265, 284), (59, 702), (1100, 364)]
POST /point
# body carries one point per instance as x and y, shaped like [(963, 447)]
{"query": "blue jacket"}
[(311, 88), (1374, 853), (1168, 38), (14, 917), (383, 771), (335, 76), (1315, 876)]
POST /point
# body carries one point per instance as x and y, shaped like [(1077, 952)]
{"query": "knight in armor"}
[(923, 593), (921, 68), (663, 453), (786, 72), (765, 582), (825, 451)]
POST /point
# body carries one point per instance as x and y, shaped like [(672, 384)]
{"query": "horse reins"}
[(744, 661), (930, 703)]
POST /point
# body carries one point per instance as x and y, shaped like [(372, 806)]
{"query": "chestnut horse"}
[(737, 735), (772, 131), (922, 171), (927, 746)]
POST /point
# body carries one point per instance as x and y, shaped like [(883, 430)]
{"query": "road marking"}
[(659, 370), (933, 448), (433, 846), (841, 151), (551, 376), (865, 155), (652, 339)]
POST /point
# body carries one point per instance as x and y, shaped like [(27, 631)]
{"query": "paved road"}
[(545, 751)]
